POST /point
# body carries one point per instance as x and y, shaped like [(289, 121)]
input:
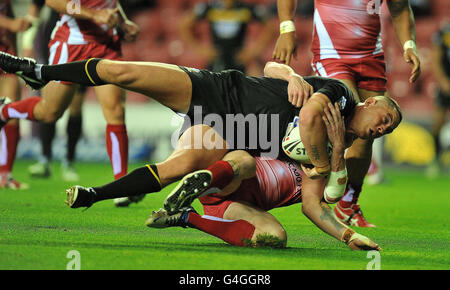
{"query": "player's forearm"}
[(337, 159), (313, 132), (403, 20), (286, 9), (73, 8), (323, 217), (279, 71)]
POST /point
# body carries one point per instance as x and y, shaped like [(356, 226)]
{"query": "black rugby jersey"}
[(253, 108)]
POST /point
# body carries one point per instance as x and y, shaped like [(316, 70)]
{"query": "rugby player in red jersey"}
[(347, 45), (9, 86), (86, 29)]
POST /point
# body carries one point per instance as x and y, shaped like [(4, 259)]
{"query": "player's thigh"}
[(264, 222), (56, 97), (112, 101), (10, 87), (190, 154), (165, 83)]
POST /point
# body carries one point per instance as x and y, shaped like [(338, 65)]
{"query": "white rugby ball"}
[(293, 147)]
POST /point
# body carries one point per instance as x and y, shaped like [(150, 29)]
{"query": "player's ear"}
[(370, 101)]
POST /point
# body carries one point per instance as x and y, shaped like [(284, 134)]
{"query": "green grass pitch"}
[(37, 230)]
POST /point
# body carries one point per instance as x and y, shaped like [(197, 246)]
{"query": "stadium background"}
[(151, 126)]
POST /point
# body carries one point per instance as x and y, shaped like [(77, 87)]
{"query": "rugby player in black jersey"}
[(222, 94)]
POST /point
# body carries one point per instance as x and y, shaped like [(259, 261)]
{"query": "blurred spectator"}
[(228, 20), (441, 66)]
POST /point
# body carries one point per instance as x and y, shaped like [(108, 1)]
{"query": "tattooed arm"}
[(320, 213), (314, 135), (404, 26)]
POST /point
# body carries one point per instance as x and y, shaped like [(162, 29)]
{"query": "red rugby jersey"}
[(346, 29)]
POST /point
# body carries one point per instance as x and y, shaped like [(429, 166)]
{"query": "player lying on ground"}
[(220, 94), (238, 214)]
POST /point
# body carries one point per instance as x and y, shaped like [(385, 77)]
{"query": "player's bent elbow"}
[(309, 117), (309, 205), (268, 67)]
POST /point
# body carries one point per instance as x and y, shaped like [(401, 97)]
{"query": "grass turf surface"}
[(37, 230)]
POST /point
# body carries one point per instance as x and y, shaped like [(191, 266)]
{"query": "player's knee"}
[(247, 166), (114, 112), (274, 237), (52, 116)]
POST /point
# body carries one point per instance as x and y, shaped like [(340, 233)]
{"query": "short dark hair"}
[(393, 103)]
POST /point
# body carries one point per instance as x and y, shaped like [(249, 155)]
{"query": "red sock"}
[(232, 232), (10, 139), (117, 148), (21, 109), (222, 173), (351, 196)]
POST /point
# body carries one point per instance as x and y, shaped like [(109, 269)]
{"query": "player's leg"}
[(153, 177), (112, 101), (55, 99), (223, 177), (268, 230), (9, 86), (241, 224), (166, 83), (438, 121), (73, 130)]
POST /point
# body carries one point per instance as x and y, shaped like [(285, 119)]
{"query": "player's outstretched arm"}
[(299, 90), (320, 213)]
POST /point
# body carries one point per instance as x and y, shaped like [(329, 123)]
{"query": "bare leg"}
[(166, 83), (265, 223), (187, 158), (10, 87), (56, 98)]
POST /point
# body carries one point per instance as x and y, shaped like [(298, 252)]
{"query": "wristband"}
[(410, 44), (287, 26), (348, 234), (335, 187)]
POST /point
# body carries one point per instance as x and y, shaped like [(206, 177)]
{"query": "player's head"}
[(376, 117)]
